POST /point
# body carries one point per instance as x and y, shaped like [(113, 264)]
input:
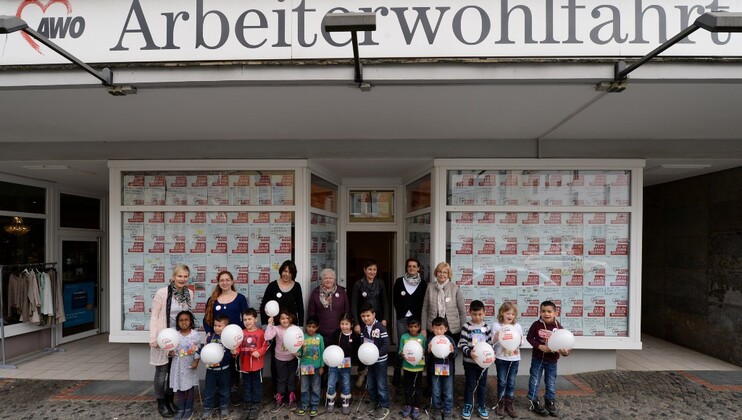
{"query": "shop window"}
[(577, 257), (323, 251), (22, 198), (417, 244), (418, 194), (79, 212), (324, 195), (22, 243)]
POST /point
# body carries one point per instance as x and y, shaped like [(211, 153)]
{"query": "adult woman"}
[(368, 289), (408, 294), (225, 300), (287, 292), (327, 302), (443, 298), (167, 303)]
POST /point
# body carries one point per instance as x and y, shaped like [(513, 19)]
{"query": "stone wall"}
[(692, 263)]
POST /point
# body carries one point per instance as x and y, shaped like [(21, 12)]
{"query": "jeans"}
[(475, 381), (252, 387), (376, 379), (506, 373), (443, 393), (413, 384), (310, 389), (549, 371), (335, 374), (216, 380), (162, 384)]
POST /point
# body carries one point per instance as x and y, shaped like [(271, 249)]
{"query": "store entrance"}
[(378, 246), (80, 266)]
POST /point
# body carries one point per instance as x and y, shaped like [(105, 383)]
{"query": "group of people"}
[(335, 317)]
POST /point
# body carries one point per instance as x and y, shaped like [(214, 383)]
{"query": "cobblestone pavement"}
[(597, 395)]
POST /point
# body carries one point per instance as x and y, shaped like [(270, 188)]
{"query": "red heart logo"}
[(43, 8)]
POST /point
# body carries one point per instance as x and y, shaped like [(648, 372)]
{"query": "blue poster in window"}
[(79, 302)]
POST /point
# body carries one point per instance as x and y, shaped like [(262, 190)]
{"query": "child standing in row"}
[(252, 358), (311, 368), (506, 361), (183, 376), (544, 360), (217, 374), (286, 362), (349, 341), (413, 373), (442, 381), (374, 332), (474, 332)]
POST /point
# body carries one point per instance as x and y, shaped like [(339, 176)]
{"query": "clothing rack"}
[(53, 348)]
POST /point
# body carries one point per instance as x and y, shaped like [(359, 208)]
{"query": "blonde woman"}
[(167, 303)]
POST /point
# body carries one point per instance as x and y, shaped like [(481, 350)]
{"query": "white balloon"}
[(212, 353), (368, 353), (333, 356), (232, 336), (293, 339), (561, 339), (440, 346), (271, 308), (509, 337), (412, 351), (168, 339), (485, 354)]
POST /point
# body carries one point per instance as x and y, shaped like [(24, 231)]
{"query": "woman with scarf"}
[(327, 302), (444, 299), (368, 289), (408, 295), (167, 303)]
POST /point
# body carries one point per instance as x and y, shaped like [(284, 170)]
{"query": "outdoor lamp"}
[(352, 22), (10, 24), (710, 21)]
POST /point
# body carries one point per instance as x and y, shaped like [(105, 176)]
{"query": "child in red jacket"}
[(252, 357)]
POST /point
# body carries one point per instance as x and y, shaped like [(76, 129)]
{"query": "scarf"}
[(371, 289), (441, 288), (325, 297), (412, 281), (182, 296)]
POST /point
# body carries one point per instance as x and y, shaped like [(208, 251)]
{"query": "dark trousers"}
[(475, 382), (217, 381), (286, 377), (413, 385), (252, 387), (162, 380)]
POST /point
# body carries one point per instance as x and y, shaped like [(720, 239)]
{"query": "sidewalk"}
[(606, 395)]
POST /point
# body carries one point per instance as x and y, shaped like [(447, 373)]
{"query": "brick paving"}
[(597, 395)]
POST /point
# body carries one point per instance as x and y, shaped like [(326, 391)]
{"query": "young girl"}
[(506, 361), (183, 376), (349, 341), (286, 362)]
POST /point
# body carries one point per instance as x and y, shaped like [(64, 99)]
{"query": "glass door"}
[(80, 270)]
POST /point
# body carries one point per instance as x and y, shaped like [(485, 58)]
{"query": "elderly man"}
[(327, 302)]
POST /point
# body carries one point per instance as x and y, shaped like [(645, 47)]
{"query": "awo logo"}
[(52, 27)]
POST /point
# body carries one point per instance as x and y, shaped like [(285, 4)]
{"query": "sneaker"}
[(447, 416), (551, 407), (406, 411), (301, 411), (466, 411), (434, 413), (535, 406), (371, 406), (224, 412), (482, 412), (381, 413), (279, 403), (292, 401), (415, 414), (313, 412), (207, 413)]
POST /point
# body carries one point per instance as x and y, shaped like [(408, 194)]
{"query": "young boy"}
[(544, 360), (217, 375), (374, 332), (475, 331), (442, 380), (252, 357), (413, 373), (311, 368)]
